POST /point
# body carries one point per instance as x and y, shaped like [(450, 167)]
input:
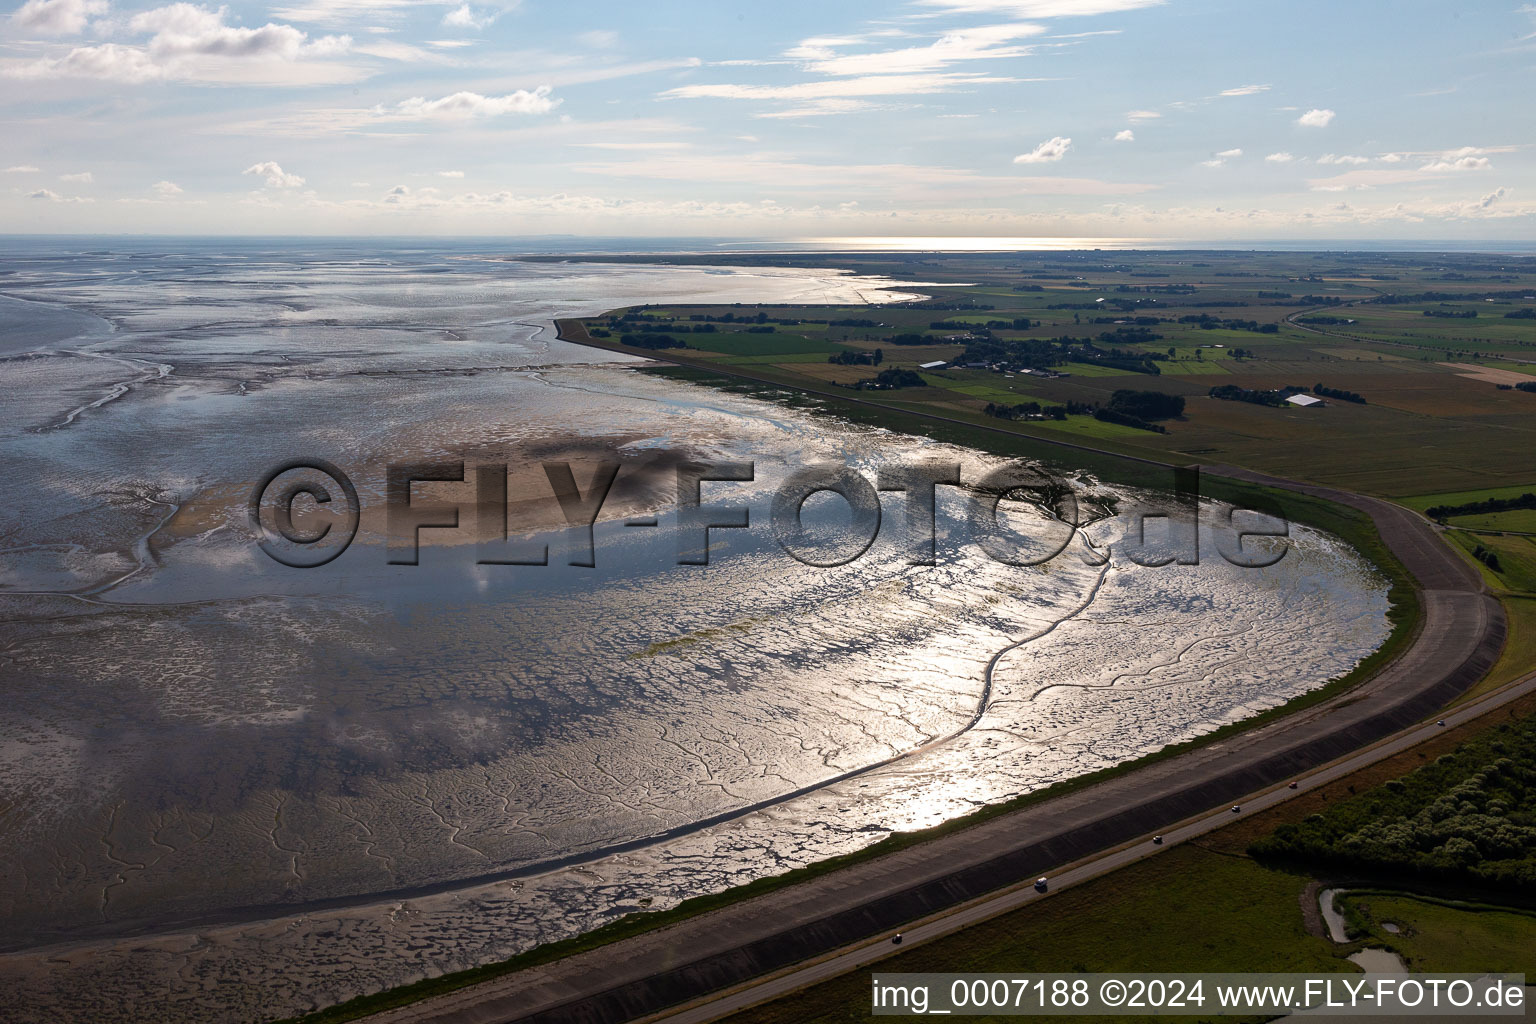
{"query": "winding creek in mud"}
[(232, 790)]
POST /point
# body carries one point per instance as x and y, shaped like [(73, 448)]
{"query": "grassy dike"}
[(1352, 526)]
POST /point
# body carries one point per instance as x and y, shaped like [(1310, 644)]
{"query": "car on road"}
[(1041, 885)]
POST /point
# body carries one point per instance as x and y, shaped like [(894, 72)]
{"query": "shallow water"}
[(264, 788)]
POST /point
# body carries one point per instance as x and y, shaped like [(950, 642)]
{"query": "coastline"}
[(1408, 621)]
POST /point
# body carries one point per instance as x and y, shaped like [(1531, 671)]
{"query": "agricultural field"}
[(1450, 937), (1440, 415)]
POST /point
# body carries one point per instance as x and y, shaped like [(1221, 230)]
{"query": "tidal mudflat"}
[(232, 790)]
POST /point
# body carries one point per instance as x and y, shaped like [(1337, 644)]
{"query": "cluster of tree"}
[(761, 329), (1468, 817), (1484, 507), (1123, 305), (1389, 300), (652, 341), (1207, 322), (853, 322), (1157, 289), (651, 323), (1233, 393), (1453, 314), (1127, 420), (894, 378), (1017, 353), (852, 358), (758, 318), (1488, 558), (1316, 300), (911, 339), (1526, 385), (1342, 396), (1027, 411), (1147, 405), (1130, 336), (1324, 320), (1016, 324), (961, 306), (1521, 314), (1131, 362)]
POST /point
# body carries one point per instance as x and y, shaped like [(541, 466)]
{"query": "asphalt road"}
[(743, 997), (836, 915)]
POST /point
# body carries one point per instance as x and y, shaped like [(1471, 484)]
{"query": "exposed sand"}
[(1490, 374)]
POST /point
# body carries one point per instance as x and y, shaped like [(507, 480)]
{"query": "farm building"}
[(1305, 401), (937, 364)]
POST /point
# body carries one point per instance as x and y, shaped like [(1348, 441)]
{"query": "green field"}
[(1520, 520), (1439, 936), (1087, 426), (1189, 909), (1425, 434), (991, 388), (1421, 502), (743, 344), (1516, 555)]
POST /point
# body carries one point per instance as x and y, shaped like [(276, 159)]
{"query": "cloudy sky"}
[(1123, 118)]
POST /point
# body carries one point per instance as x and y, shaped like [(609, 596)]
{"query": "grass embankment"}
[(1352, 526), (1204, 906), (1189, 909)]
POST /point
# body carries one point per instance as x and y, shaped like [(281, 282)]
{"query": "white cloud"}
[(1125, 135), (465, 105), (1467, 158), (191, 43), (1330, 158), (166, 189), (57, 17), (982, 43), (81, 177), (49, 195), (465, 16), (450, 174), (599, 38), (1142, 115), (1279, 158), (109, 61), (1434, 165), (21, 169), (341, 12), (274, 175), (1230, 154), (1245, 90), (1038, 8), (821, 108), (1049, 151), (765, 172), (1315, 118), (645, 145), (869, 85)]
